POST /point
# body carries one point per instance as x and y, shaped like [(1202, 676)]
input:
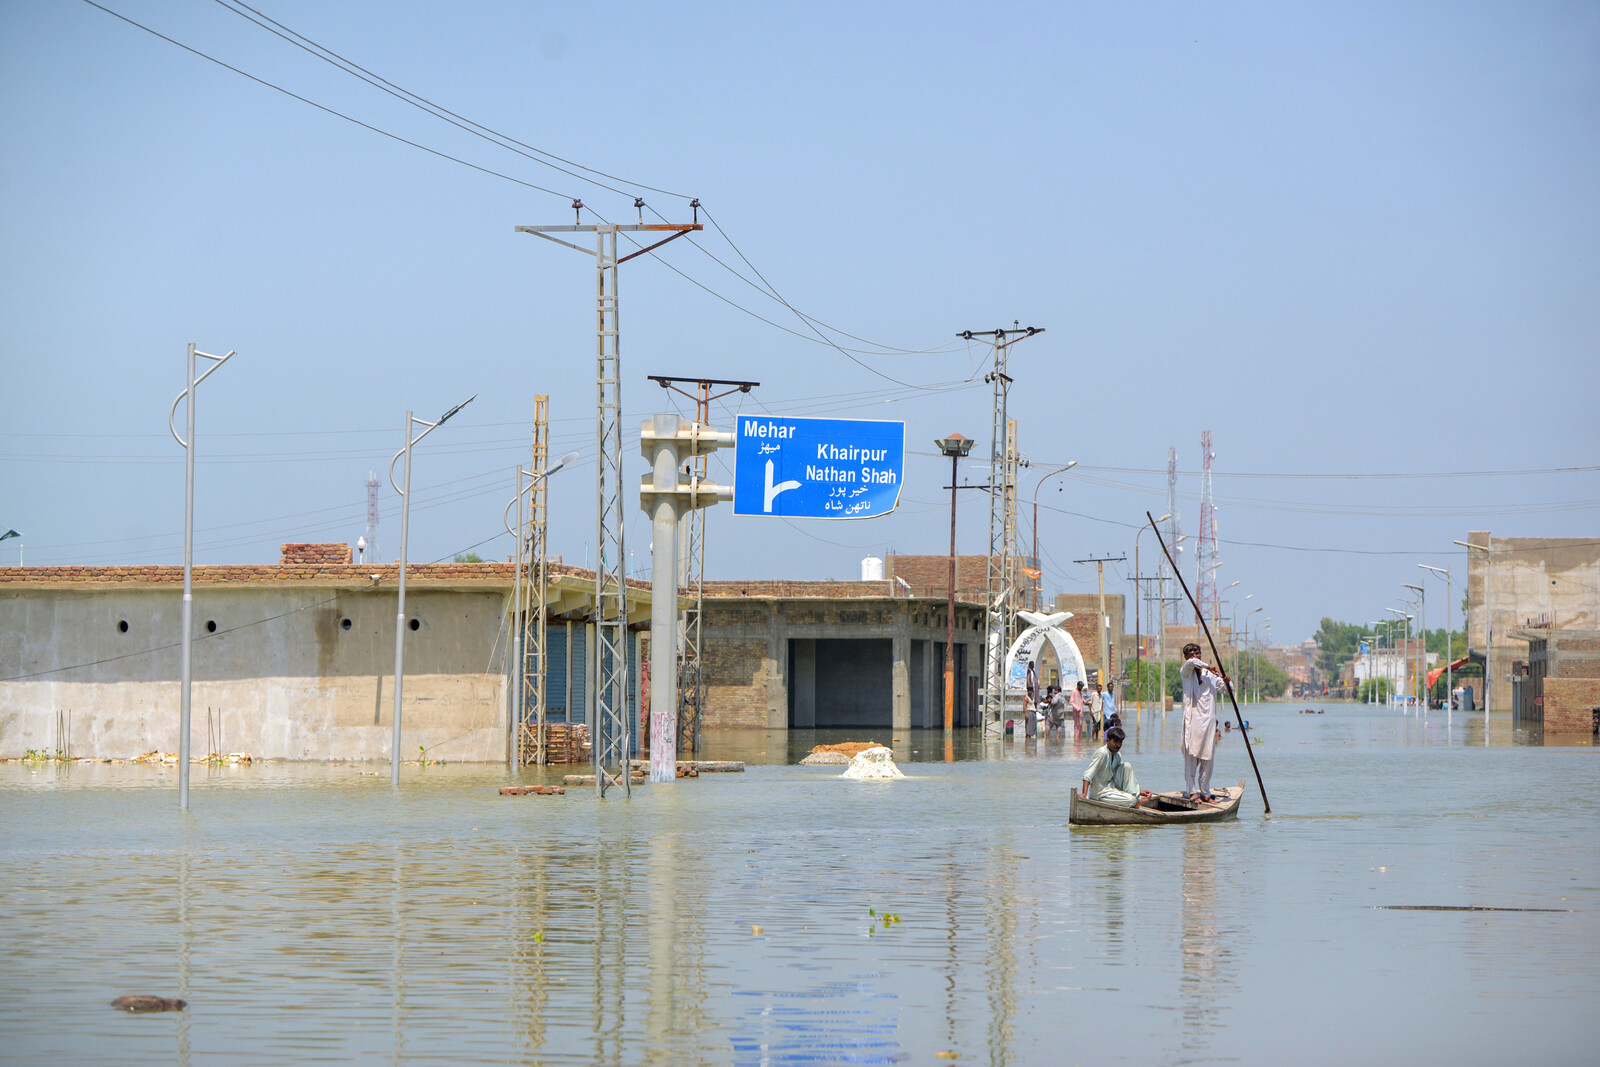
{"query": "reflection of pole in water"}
[(397, 966), (1204, 944), (185, 939), (677, 950), (610, 969), (954, 879), (1002, 961), (529, 979)]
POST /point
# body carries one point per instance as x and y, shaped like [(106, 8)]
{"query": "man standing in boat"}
[(1201, 684)]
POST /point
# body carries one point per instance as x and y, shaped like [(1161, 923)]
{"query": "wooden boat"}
[(1159, 809)]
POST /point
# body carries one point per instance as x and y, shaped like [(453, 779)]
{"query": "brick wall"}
[(736, 689), (1569, 704), (930, 575), (335, 552)]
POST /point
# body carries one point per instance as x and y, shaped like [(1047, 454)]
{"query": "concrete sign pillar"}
[(667, 441)]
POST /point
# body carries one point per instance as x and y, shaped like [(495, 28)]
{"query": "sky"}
[(1356, 242)]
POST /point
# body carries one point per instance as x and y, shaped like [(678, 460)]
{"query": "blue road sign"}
[(817, 468)]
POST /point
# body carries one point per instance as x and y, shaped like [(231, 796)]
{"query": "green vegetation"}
[(1250, 673), (466, 557)]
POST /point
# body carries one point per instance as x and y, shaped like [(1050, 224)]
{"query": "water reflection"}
[(1207, 981), (311, 913)]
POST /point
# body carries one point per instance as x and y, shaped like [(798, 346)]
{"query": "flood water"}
[(309, 913)]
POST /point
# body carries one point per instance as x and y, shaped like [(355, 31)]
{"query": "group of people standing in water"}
[(1092, 710)]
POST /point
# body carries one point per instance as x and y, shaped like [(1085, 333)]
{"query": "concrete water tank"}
[(872, 569)]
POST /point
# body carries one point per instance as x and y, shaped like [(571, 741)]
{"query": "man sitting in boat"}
[(1110, 780)]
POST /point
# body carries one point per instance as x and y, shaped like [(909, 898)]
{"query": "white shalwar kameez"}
[(1110, 779), (1200, 689)]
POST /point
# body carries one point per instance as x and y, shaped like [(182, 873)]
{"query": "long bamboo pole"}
[(1265, 803)]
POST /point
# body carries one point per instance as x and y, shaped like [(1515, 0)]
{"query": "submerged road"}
[(308, 913)]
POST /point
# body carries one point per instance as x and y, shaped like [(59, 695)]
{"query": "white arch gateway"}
[(1042, 628)]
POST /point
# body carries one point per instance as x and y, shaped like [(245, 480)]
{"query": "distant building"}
[(1527, 583), (1559, 684)]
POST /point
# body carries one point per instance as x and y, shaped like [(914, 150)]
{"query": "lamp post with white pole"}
[(1247, 615), (1488, 631), (1449, 637), (1255, 660), (1233, 629), (1039, 582), (1422, 653), (1373, 660), (187, 441), (405, 529), (1405, 630)]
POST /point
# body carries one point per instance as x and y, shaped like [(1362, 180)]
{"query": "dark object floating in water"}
[(141, 1002), (1456, 907)]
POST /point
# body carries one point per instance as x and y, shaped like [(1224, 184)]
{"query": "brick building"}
[(1526, 583), (1559, 683)]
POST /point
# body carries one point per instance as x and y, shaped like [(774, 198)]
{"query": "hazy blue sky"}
[(1348, 239)]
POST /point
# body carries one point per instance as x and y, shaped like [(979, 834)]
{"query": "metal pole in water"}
[(405, 529), (400, 611), (187, 657)]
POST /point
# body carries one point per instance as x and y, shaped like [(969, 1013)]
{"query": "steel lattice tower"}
[(372, 518), (1206, 553), (1174, 529), (1002, 478), (535, 558), (612, 730)]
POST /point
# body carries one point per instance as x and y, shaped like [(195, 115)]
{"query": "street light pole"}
[(1488, 631), (1406, 631), (1233, 630), (405, 530), (1422, 653), (187, 441), (1449, 636), (1252, 611), (956, 447), (1037, 582)]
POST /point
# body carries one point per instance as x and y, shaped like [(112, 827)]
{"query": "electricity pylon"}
[(1001, 548), (612, 730)]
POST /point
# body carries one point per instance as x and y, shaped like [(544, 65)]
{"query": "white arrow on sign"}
[(774, 490)]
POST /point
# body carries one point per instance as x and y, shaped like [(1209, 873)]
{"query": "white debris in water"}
[(873, 763), (822, 759)]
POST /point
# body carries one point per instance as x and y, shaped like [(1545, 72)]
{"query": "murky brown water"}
[(309, 913)]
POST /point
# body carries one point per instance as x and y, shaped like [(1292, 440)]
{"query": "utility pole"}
[(691, 676), (1161, 603), (1105, 628), (956, 447), (612, 730), (187, 441), (998, 591)]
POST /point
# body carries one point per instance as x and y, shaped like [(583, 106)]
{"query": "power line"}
[(321, 107)]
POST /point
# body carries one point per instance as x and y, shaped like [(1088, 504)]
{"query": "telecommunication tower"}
[(372, 555), (1174, 530), (1206, 553)]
